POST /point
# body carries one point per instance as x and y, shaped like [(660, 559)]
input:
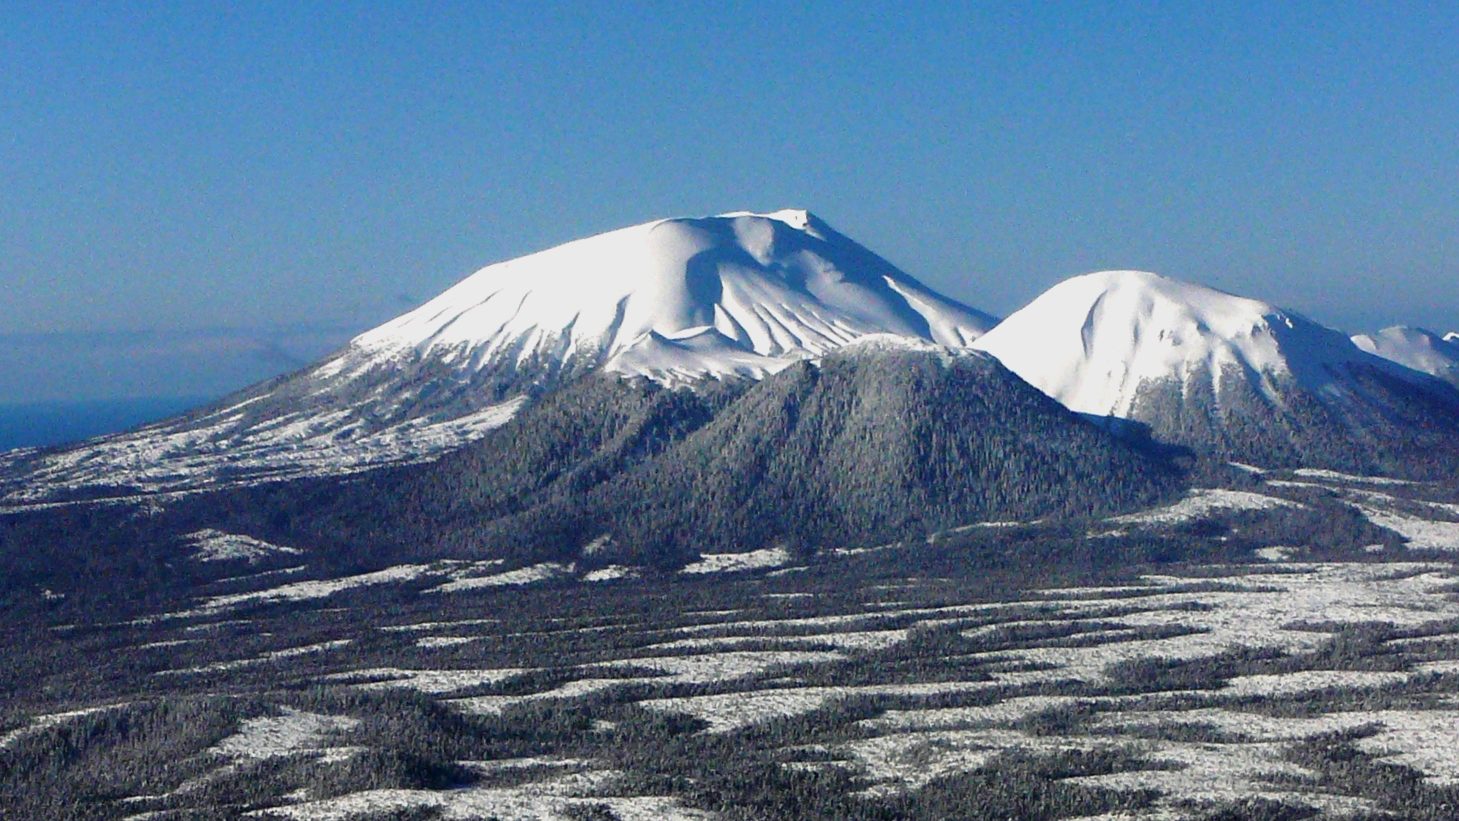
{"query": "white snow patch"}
[(552, 799), (520, 576), (610, 573), (314, 589), (1202, 502), (1335, 476), (291, 732), (237, 664), (216, 546), (1307, 681), (426, 681), (1278, 553), (715, 667), (732, 711), (1422, 534), (735, 562), (432, 642)]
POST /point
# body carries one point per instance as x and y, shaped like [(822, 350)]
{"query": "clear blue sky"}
[(287, 174)]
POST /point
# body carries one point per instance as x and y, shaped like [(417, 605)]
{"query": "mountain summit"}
[(676, 301), (1096, 342), (1224, 375), (740, 294)]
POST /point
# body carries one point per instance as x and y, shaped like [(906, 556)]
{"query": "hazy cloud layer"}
[(105, 365)]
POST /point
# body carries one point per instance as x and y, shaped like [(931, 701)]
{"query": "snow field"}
[(292, 731), (217, 546), (735, 562), (1201, 503), (556, 798), (434, 682)]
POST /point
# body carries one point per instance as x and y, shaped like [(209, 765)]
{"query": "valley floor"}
[(973, 676)]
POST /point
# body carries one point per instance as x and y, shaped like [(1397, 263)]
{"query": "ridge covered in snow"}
[(1092, 342), (739, 294), (1221, 375), (1415, 348)]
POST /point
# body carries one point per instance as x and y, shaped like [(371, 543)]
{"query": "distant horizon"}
[(45, 421)]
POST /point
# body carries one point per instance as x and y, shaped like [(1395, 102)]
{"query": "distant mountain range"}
[(761, 379)]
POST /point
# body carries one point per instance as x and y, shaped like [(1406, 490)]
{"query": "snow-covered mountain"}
[(1416, 348), (1220, 373), (675, 300), (739, 295)]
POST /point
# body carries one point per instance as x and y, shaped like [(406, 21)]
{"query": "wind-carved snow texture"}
[(736, 295), (679, 300)]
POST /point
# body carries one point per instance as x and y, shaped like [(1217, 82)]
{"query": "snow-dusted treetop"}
[(736, 294), (1092, 341), (1415, 348)]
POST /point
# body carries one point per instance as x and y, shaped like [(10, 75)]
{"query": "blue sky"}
[(225, 177)]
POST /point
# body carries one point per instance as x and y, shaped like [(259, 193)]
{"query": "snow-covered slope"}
[(1215, 372), (738, 294), (1416, 348), (1094, 341), (680, 300)]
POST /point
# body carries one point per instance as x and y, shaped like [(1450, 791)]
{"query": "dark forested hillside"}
[(558, 448), (862, 447), (1369, 419), (865, 448)]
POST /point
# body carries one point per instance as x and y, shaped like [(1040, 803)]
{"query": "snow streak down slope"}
[(676, 301), (1223, 374), (1415, 348)]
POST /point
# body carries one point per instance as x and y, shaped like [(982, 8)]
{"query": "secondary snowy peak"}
[(1094, 341), (676, 299), (1227, 376), (1415, 348)]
